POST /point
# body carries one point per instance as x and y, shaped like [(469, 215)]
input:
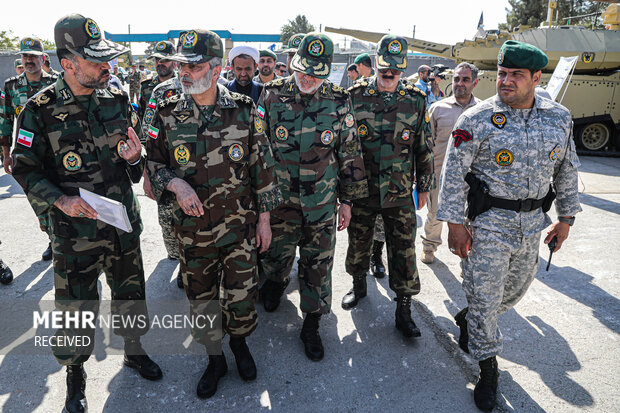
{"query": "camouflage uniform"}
[(226, 158), (395, 138), (517, 157), (134, 85), (318, 157), (63, 146)]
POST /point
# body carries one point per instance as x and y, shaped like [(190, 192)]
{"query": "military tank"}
[(593, 96)]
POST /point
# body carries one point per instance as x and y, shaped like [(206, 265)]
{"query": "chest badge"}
[(281, 133), (18, 109), (555, 153), (402, 92), (362, 130), (61, 116), (258, 125), (327, 137), (181, 117), (236, 152), (121, 147), (72, 162), (348, 120), (504, 157), (405, 135), (181, 154), (498, 120)]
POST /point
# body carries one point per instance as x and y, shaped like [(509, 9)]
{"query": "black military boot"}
[(180, 278), (485, 392), (76, 390), (6, 275), (356, 293), (313, 345), (271, 292), (376, 262), (136, 358), (47, 254), (404, 322), (245, 363), (461, 322), (217, 368)]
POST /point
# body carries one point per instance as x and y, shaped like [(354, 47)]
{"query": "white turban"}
[(247, 50)]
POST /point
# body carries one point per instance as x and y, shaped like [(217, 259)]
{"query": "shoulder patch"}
[(238, 96), (338, 89), (357, 85), (116, 91), (275, 83), (44, 97), (165, 102)]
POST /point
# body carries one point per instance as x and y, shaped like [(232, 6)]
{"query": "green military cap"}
[(31, 45), (82, 37), (363, 58), (198, 46), (163, 50), (18, 63), (392, 53), (314, 56), (293, 43), (519, 55), (268, 53)]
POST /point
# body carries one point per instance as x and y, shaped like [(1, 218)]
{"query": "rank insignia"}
[(405, 135), (460, 136), (181, 117), (555, 153), (281, 133), (362, 130), (153, 132), (181, 154), (258, 125), (236, 152), (18, 109), (504, 157), (168, 93), (327, 137), (72, 162), (134, 119), (41, 99), (66, 95), (348, 120), (498, 120), (61, 116), (121, 147)]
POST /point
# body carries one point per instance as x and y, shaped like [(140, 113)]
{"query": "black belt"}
[(517, 205)]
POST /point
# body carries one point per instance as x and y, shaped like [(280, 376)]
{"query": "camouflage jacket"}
[(396, 142), (224, 156), (161, 91), (17, 90), (62, 147), (517, 159), (146, 91), (134, 79), (315, 143), (257, 78)]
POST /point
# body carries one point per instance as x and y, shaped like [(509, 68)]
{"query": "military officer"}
[(135, 78), (312, 130), (17, 90), (208, 148), (47, 65), (77, 134), (517, 147), (165, 69), (266, 65), (393, 127), (19, 67), (364, 66)]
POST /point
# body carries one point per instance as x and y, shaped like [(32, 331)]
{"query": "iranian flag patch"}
[(2, 95), (261, 112), (153, 132), (152, 103), (25, 138)]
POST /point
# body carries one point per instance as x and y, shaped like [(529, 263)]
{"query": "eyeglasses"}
[(393, 72)]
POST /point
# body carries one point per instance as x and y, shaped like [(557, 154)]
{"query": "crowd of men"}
[(250, 172)]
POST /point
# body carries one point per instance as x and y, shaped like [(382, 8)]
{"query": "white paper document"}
[(108, 210)]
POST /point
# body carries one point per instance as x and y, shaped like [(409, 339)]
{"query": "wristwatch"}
[(567, 220), (346, 202)]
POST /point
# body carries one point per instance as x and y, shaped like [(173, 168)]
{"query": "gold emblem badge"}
[(236, 152), (405, 135), (426, 117), (316, 48), (281, 133), (371, 91), (504, 157), (161, 46), (498, 120), (18, 109), (121, 147), (348, 120), (402, 93), (327, 137), (362, 130), (189, 39), (181, 117), (72, 162), (258, 125), (394, 47), (555, 153), (61, 116), (181, 154), (41, 99), (587, 57), (92, 29)]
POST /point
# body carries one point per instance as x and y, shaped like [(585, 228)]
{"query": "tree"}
[(299, 24), (534, 12), (7, 40)]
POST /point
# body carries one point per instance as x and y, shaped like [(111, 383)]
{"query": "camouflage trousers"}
[(400, 229), (379, 230), (496, 275), (316, 259), (432, 227), (166, 222), (235, 285), (134, 94), (77, 266)]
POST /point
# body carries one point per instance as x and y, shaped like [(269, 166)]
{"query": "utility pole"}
[(414, 31)]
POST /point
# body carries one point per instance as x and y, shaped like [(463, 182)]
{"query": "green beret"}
[(518, 55), (268, 53), (363, 58)]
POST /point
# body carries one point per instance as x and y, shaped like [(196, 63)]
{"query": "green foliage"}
[(534, 12), (7, 40), (299, 24)]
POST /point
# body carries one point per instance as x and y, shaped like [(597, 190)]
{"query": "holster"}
[(478, 199)]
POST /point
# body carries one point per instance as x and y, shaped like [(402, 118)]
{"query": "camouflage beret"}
[(519, 55), (198, 46), (293, 43), (268, 53), (392, 53), (163, 50), (18, 63), (314, 56), (82, 37), (363, 58), (30, 45)]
